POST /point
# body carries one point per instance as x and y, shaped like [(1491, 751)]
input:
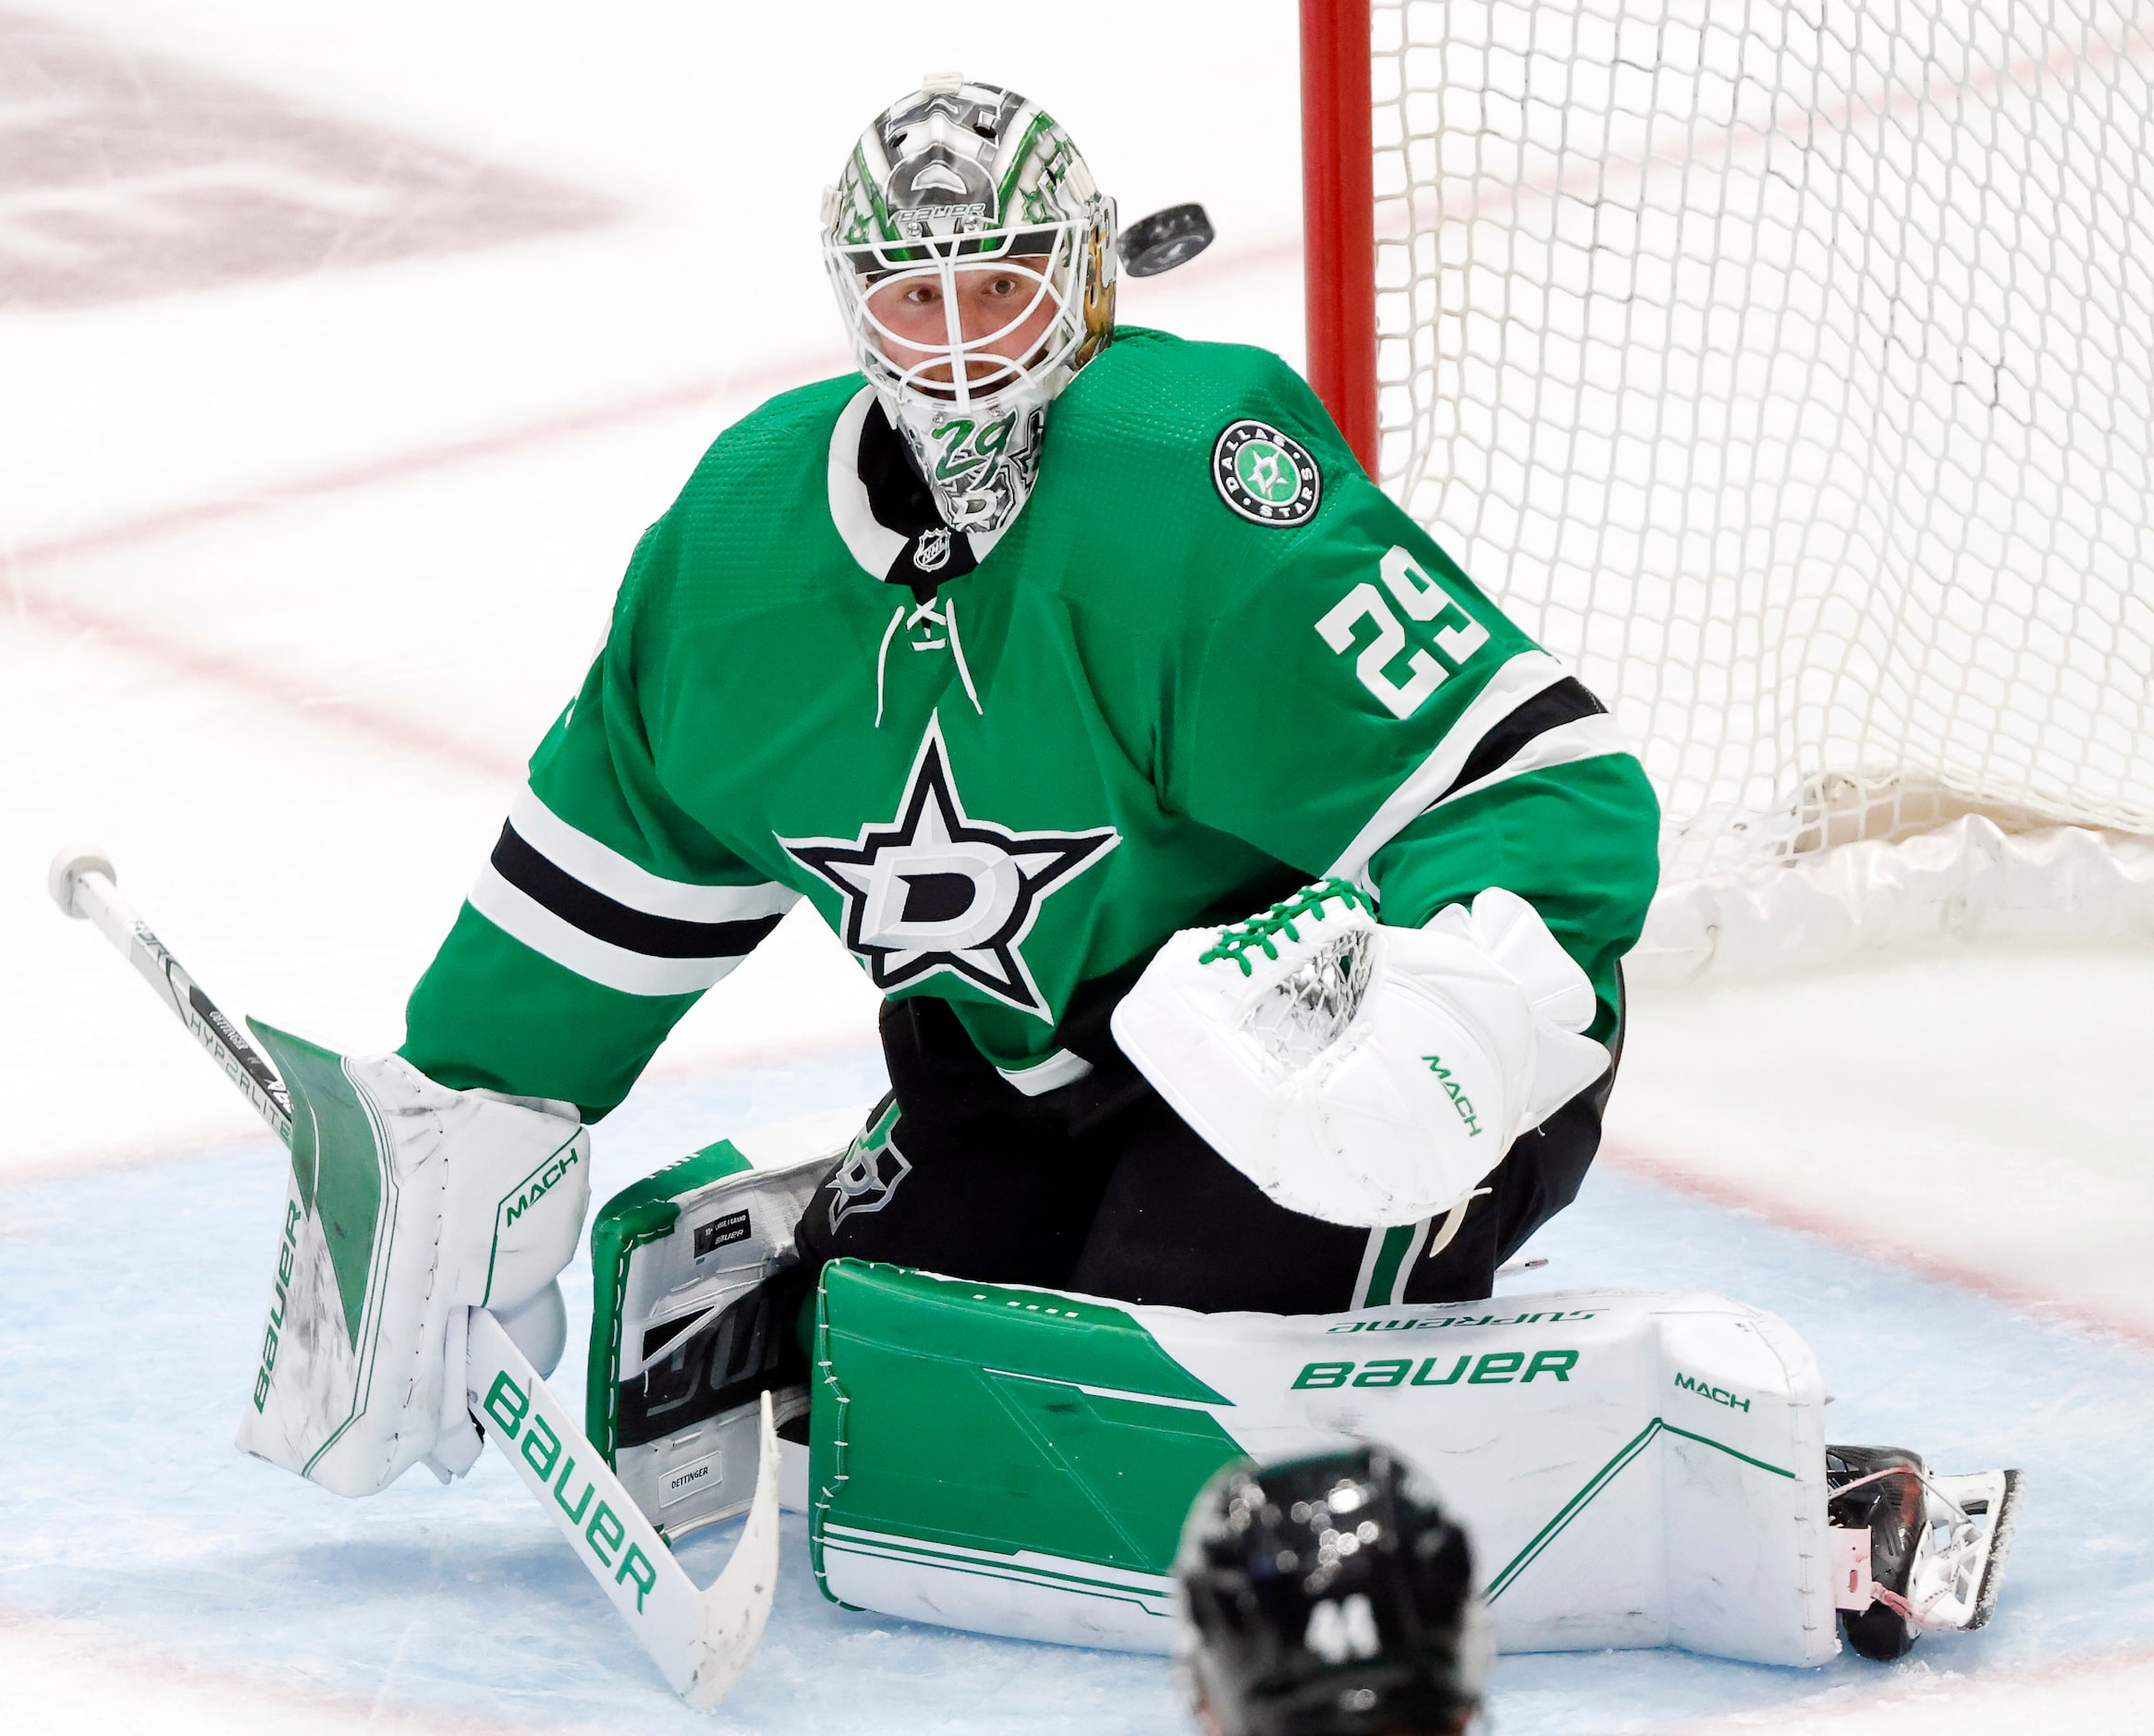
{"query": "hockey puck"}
[(1165, 239)]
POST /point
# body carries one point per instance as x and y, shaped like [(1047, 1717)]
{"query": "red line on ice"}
[(383, 728), (1961, 1694), (399, 466), (259, 680), (246, 1129), (130, 1662), (1733, 1196), (1728, 1195)]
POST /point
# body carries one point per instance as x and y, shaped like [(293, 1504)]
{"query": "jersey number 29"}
[(1458, 635)]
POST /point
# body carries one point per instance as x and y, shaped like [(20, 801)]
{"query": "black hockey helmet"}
[(1328, 1597)]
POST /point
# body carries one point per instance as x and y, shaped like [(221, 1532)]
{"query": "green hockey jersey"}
[(1209, 656)]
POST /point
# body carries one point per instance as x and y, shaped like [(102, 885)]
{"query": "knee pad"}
[(695, 1283)]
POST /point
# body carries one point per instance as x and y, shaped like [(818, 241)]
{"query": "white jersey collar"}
[(870, 542)]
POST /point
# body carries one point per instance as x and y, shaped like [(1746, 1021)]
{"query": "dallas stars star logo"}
[(936, 890)]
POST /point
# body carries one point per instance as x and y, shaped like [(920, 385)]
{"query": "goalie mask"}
[(974, 261)]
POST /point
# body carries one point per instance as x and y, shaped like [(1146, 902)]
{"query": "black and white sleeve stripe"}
[(591, 911), (1533, 714)]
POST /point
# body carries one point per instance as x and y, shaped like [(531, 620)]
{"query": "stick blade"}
[(737, 1604)]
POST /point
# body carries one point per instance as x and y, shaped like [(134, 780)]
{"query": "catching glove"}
[(1357, 1073)]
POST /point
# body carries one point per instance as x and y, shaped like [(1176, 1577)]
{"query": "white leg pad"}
[(1635, 1469)]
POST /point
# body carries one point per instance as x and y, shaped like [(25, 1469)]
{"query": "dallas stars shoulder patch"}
[(1265, 475), (936, 891)]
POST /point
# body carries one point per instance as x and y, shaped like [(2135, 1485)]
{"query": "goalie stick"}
[(700, 1640)]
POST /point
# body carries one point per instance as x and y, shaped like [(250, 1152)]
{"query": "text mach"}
[(1460, 1101), (537, 1186), (1719, 1395)]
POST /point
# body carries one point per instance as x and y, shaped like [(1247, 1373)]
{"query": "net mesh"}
[(1789, 367)]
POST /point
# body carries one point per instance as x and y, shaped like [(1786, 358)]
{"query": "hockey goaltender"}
[(1247, 895)]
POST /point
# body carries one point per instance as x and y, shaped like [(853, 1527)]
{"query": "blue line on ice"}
[(130, 1305)]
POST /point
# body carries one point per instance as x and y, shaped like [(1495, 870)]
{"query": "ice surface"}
[(304, 540), (129, 1304)]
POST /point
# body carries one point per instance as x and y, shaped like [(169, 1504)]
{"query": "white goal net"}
[(1789, 367)]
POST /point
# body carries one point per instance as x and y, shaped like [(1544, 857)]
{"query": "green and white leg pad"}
[(687, 1329), (1635, 1469)]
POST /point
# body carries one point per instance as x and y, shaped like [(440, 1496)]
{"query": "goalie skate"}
[(1914, 1552)]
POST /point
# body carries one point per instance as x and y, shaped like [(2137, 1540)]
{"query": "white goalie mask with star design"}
[(957, 191)]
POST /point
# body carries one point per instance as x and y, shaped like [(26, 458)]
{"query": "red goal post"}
[(1789, 374), (1339, 217)]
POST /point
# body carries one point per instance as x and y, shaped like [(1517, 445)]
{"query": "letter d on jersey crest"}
[(936, 891)]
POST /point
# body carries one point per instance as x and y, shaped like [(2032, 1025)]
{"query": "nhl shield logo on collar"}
[(1267, 476), (931, 553)]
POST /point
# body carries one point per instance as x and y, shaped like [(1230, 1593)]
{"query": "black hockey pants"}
[(1100, 1186)]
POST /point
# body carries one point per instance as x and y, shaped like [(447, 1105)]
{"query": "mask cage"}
[(1050, 257)]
